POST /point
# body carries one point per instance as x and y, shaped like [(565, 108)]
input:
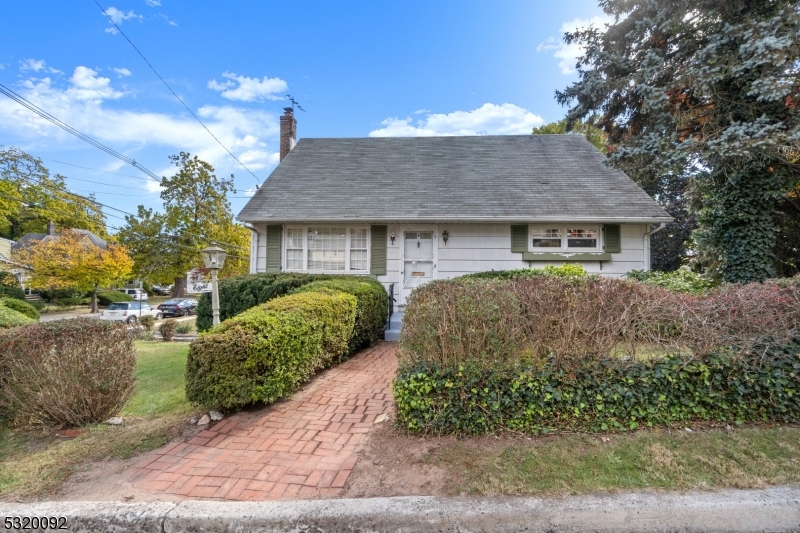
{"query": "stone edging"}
[(774, 509)]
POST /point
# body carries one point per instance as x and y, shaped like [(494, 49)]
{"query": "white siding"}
[(258, 262), (482, 247)]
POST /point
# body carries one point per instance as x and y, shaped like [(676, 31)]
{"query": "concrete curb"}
[(775, 509)]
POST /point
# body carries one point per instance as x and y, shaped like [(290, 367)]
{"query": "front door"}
[(417, 260)]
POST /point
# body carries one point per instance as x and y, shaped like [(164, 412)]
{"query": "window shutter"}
[(612, 239), (274, 234), (378, 250), (519, 239)]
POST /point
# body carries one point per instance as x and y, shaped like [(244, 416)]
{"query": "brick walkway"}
[(303, 447)]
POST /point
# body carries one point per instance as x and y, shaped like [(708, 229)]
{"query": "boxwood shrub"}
[(10, 318), (110, 297), (267, 352), (372, 310), (12, 292), (240, 293), (20, 306), (601, 395)]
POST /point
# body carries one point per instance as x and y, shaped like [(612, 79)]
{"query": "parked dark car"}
[(179, 307)]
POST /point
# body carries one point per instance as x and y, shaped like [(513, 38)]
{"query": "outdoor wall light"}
[(445, 236), (392, 237)]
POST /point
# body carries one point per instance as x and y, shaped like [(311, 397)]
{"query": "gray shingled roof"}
[(484, 178), (33, 238)]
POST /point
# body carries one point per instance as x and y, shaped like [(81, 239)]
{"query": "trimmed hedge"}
[(601, 395), (20, 306), (372, 310), (240, 293), (564, 271), (110, 297), (9, 318), (681, 280), (267, 352)]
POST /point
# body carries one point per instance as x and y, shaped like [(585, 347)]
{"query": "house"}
[(30, 239), (410, 210)]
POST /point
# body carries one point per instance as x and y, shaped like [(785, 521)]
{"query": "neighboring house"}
[(30, 239), (9, 265), (410, 210)]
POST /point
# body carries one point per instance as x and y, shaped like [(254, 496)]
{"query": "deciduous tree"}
[(72, 260), (196, 211), (30, 197)]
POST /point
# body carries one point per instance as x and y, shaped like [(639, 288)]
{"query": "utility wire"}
[(64, 191), (101, 183), (174, 93), (148, 178), (131, 232), (66, 127)]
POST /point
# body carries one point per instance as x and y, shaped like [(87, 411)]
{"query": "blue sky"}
[(357, 68)]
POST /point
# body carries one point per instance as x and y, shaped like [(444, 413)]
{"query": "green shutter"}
[(612, 239), (274, 234), (519, 239), (378, 250)]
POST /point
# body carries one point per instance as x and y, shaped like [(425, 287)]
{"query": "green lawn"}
[(34, 463), (574, 464), (160, 367)]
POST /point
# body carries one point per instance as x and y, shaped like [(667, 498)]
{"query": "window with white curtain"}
[(554, 238), (327, 249)]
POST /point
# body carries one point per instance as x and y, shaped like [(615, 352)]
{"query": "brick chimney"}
[(51, 228), (288, 131)]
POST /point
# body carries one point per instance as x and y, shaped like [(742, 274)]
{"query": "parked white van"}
[(137, 294)]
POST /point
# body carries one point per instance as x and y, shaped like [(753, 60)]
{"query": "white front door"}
[(418, 260)]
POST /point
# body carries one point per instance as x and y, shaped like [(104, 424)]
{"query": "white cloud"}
[(568, 54), (122, 72), (153, 3), (87, 85), (422, 111), (163, 16), (81, 103), (36, 65), (118, 16), (249, 89), (489, 119)]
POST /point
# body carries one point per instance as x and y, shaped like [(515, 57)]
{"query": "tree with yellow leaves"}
[(72, 260)]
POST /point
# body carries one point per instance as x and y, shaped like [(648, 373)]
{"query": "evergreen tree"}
[(701, 96)]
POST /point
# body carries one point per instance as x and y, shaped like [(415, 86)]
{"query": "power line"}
[(131, 232), (174, 93), (101, 183), (69, 129), (64, 191), (148, 178)]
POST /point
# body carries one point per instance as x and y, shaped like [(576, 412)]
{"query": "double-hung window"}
[(327, 249), (558, 238)]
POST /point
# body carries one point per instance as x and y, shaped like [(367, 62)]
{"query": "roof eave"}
[(461, 220)]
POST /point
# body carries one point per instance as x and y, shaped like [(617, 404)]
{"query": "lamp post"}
[(214, 258)]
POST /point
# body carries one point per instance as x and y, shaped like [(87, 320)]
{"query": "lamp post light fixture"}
[(445, 236), (214, 259)]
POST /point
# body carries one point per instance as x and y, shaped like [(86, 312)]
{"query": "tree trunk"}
[(179, 288), (94, 302)]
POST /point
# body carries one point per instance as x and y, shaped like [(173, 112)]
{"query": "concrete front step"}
[(395, 325)]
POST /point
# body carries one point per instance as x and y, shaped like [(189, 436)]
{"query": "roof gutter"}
[(659, 228), (464, 220)]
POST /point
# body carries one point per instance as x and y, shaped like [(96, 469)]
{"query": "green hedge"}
[(681, 280), (240, 293), (10, 318), (564, 271), (372, 310), (20, 306), (267, 352), (601, 395), (12, 292), (110, 297)]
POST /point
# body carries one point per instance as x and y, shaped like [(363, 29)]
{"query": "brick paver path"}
[(303, 447)]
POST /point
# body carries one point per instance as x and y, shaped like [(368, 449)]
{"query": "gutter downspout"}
[(253, 257), (647, 242)]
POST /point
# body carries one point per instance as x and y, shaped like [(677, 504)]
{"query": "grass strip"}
[(676, 460)]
